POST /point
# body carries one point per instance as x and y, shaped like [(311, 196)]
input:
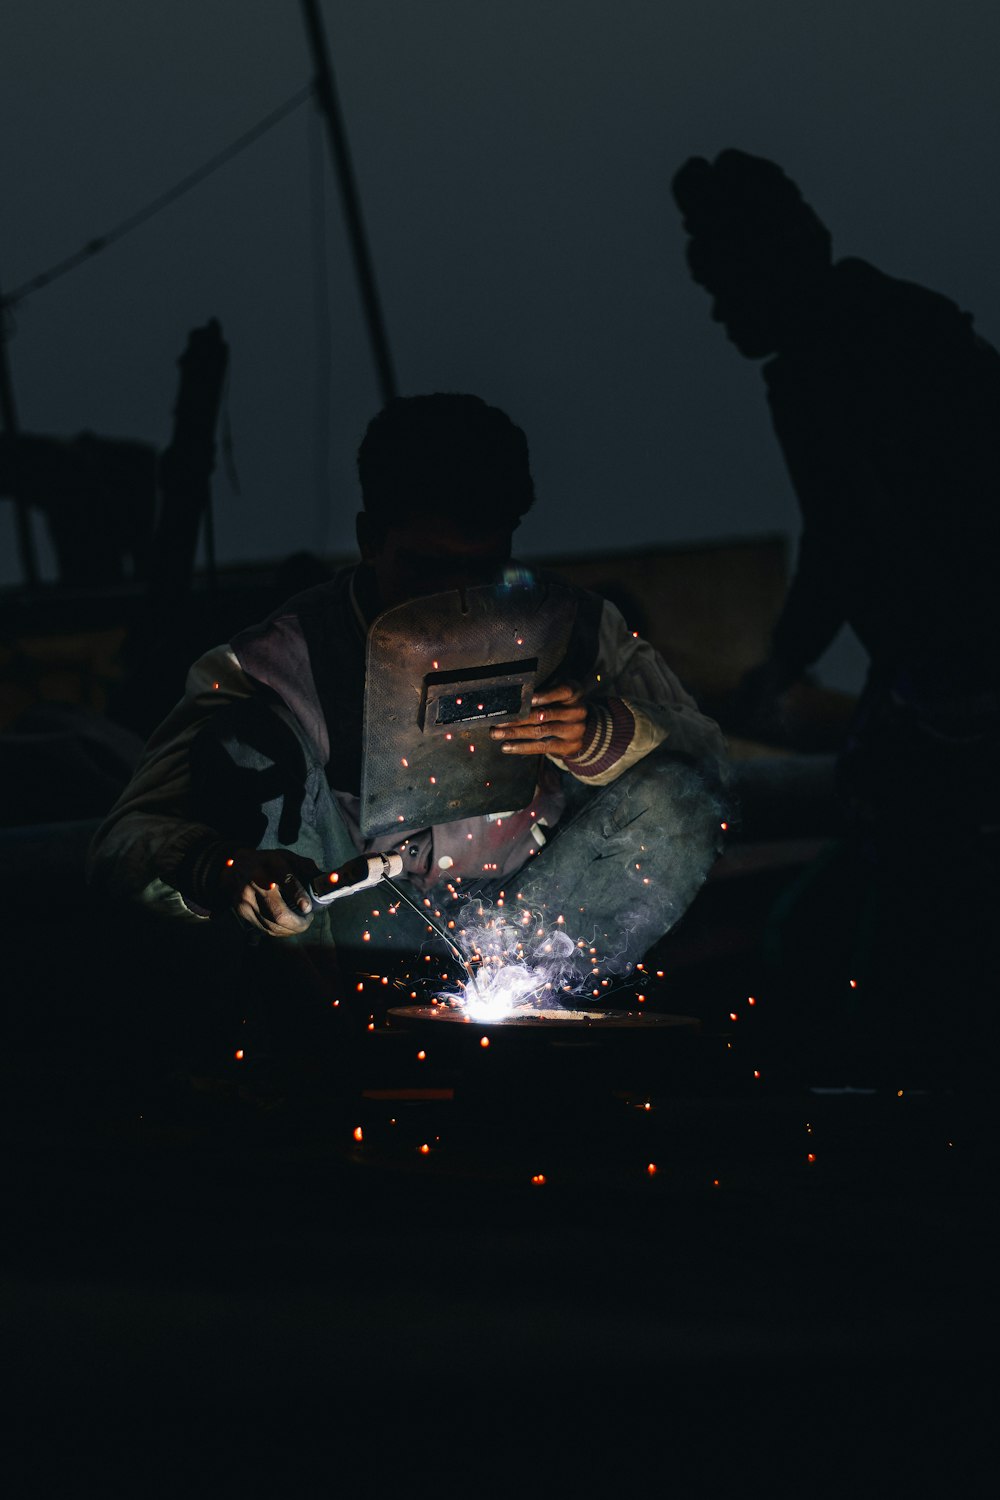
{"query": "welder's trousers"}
[(623, 865)]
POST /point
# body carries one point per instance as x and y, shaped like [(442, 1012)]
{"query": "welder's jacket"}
[(294, 686)]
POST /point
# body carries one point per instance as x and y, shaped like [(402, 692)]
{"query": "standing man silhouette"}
[(886, 404)]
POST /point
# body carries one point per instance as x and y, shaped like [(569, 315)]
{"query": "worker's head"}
[(755, 246), (445, 481)]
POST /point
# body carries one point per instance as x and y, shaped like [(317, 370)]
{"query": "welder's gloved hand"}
[(558, 725), (266, 888)]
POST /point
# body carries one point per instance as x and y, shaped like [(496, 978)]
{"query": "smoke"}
[(517, 960)]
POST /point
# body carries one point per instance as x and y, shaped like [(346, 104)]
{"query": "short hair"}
[(445, 454), (743, 212)]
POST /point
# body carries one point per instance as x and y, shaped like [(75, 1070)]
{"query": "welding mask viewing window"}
[(440, 671)]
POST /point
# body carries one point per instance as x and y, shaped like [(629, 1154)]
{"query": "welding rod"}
[(357, 875)]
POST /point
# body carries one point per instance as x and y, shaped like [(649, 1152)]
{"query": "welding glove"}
[(265, 888)]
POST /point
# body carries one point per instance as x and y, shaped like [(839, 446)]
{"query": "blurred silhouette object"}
[(115, 513), (159, 644), (186, 467), (97, 496)]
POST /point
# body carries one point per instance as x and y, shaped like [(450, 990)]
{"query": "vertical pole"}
[(8, 410), (326, 94)]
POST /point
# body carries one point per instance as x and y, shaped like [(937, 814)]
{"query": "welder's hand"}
[(267, 889), (558, 725)]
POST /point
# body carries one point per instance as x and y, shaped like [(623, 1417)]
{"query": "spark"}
[(421, 1055), (538, 1180), (484, 1041), (359, 1134), (652, 1168), (238, 1054), (424, 1149)]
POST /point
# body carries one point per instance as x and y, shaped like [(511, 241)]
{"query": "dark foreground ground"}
[(211, 1285)]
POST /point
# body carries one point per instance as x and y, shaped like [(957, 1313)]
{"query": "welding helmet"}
[(439, 672)]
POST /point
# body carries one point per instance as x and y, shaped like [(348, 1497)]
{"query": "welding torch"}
[(359, 874)]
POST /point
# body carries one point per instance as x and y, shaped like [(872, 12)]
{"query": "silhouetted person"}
[(251, 786), (886, 404)]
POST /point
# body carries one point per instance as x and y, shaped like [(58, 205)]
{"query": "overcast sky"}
[(514, 158)]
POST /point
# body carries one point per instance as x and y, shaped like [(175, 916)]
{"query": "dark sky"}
[(514, 161)]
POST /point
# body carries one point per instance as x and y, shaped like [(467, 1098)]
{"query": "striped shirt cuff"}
[(614, 730)]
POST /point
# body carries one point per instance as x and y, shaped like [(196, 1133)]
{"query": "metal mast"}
[(326, 95)]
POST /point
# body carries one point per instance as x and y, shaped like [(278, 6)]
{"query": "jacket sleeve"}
[(152, 834), (636, 703)]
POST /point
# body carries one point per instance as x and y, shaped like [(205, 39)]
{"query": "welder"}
[(283, 759)]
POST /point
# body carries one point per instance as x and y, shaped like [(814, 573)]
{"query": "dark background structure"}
[(514, 162)]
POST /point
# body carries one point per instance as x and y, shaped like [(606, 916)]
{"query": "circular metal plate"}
[(545, 1021)]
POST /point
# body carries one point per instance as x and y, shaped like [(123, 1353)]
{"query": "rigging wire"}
[(156, 205)]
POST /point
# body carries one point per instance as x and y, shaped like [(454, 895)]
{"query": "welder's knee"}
[(669, 796)]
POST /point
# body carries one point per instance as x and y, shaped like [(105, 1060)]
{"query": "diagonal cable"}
[(101, 242)]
